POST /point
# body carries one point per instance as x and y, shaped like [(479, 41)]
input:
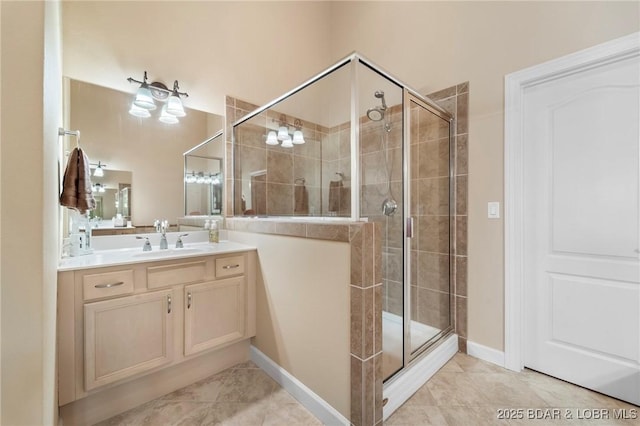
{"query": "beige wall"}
[(255, 49), (433, 45), (1, 223), (29, 190), (303, 311), (52, 120)]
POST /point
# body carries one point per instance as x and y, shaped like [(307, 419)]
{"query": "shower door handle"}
[(410, 227)]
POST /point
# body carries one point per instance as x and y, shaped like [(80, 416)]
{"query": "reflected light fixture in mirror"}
[(203, 178), (148, 93), (283, 136), (99, 170)]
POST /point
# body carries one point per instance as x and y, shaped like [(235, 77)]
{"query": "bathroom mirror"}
[(151, 151), (203, 179)]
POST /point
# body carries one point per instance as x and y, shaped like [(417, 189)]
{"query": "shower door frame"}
[(409, 227)]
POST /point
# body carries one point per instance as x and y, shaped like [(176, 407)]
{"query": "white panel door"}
[(581, 229)]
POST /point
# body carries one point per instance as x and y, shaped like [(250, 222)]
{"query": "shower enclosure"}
[(355, 143)]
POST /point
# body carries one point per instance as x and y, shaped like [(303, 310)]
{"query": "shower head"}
[(377, 113), (380, 95)]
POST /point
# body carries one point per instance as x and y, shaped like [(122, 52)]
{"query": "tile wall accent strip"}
[(455, 99)]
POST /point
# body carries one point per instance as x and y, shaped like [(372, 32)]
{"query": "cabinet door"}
[(214, 314), (127, 336)]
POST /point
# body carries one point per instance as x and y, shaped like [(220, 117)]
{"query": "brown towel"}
[(335, 190), (76, 184), (301, 199)]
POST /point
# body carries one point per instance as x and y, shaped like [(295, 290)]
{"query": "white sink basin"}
[(168, 252)]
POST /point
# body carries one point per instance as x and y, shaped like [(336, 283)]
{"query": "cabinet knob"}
[(168, 304), (189, 300)]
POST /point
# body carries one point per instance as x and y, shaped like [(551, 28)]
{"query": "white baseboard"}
[(309, 399), (485, 353), (400, 389)]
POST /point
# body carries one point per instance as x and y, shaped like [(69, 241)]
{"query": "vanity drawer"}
[(107, 284), (175, 274), (228, 266)]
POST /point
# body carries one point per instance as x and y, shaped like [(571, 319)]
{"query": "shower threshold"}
[(407, 382)]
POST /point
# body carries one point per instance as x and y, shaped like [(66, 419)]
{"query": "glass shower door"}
[(428, 242)]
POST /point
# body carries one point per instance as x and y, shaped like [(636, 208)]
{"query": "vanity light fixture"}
[(148, 93), (283, 136)]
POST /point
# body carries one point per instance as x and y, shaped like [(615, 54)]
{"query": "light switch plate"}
[(493, 210)]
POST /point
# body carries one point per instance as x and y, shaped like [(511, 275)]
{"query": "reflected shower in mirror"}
[(203, 179)]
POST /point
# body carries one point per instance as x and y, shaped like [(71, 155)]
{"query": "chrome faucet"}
[(162, 226), (179, 242), (147, 244)]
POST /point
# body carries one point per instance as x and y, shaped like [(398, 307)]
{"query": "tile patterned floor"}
[(243, 395), (466, 391)]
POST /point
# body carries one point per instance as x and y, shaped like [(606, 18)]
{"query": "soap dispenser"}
[(214, 236)]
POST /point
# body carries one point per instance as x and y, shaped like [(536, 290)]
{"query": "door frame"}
[(515, 85)]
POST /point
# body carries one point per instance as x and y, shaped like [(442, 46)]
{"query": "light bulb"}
[(174, 105), (144, 98), (287, 143), (98, 172), (283, 133), (298, 138), (190, 178), (272, 139), (167, 118), (139, 112)]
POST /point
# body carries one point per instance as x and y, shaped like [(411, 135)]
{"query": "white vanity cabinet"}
[(162, 322)]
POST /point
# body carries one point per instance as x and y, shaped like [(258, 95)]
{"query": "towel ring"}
[(76, 133)]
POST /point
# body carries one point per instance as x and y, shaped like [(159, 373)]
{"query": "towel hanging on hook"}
[(76, 184)]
